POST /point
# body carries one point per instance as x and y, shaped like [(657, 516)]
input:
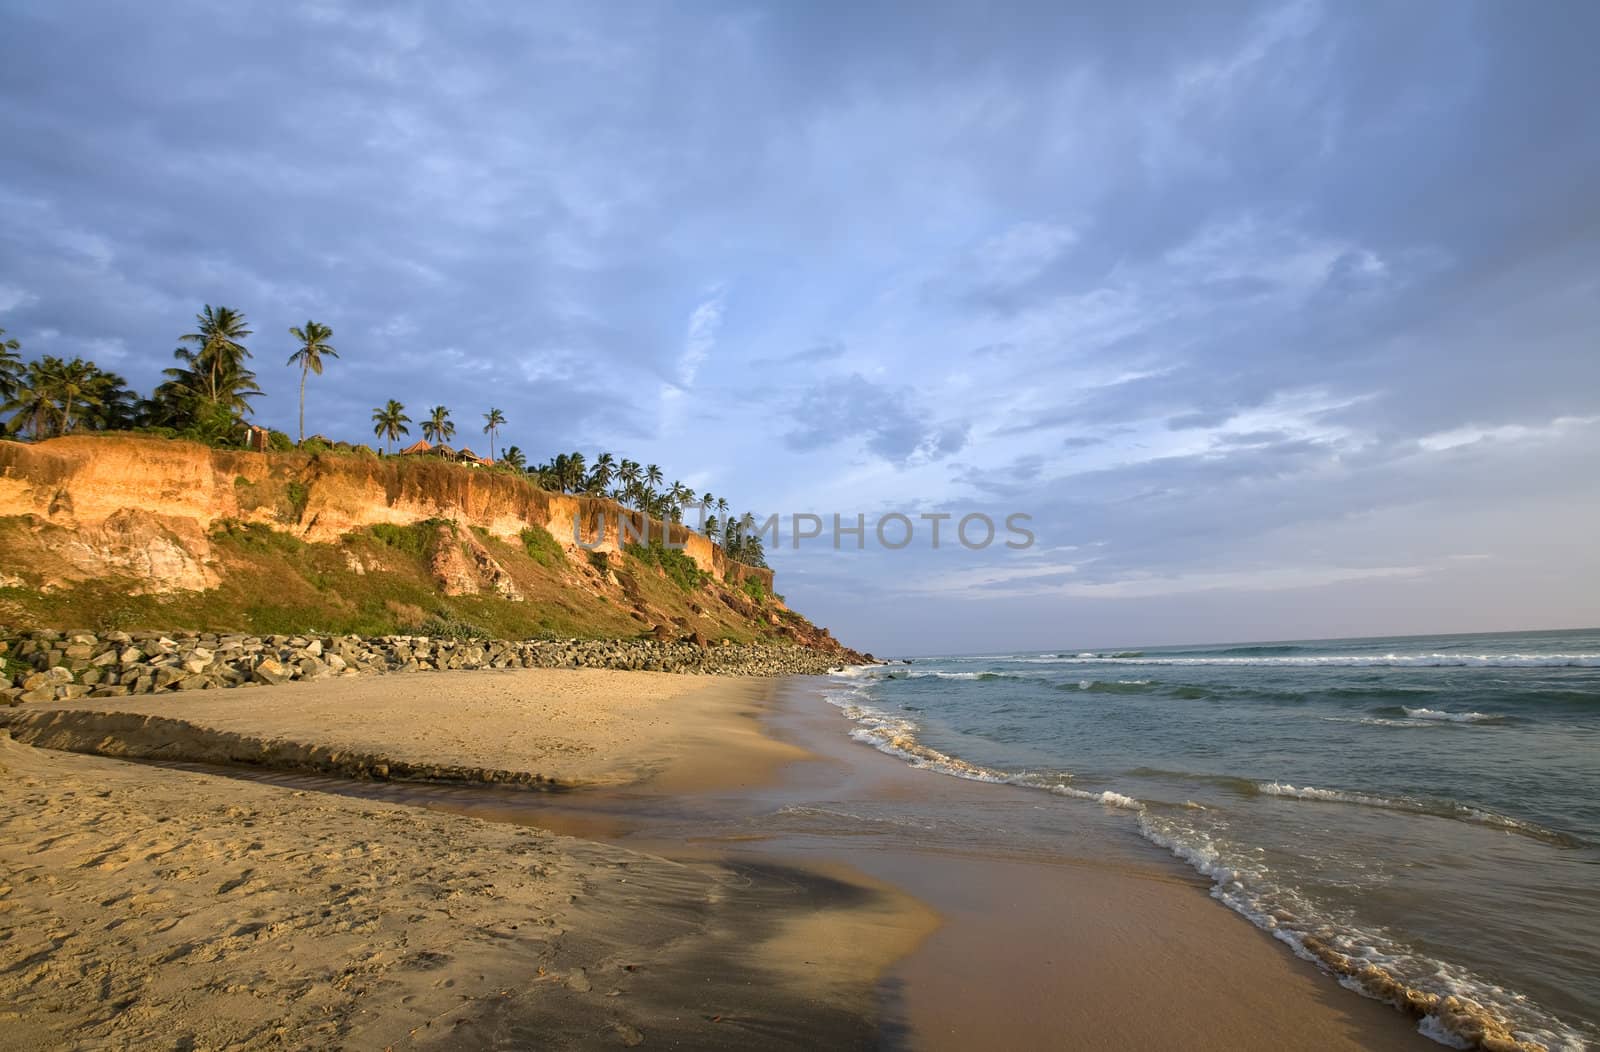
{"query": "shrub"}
[(314, 445), (673, 562), (279, 442), (541, 547), (296, 494), (446, 624), (413, 539), (754, 589), (255, 536)]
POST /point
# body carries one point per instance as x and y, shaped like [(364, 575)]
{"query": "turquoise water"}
[(1417, 814)]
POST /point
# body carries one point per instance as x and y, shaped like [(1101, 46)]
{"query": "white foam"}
[(1246, 886), (1452, 809), (1346, 661), (1452, 717)]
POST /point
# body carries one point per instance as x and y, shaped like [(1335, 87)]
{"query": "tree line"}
[(209, 392)]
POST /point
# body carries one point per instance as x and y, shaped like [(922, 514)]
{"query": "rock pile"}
[(47, 665)]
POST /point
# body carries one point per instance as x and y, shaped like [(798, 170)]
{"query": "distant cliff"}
[(127, 531)]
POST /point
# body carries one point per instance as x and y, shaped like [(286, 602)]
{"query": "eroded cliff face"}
[(145, 508)]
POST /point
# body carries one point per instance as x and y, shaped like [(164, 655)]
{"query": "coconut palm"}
[(50, 396), (10, 365), (31, 405), (603, 472), (389, 423), (678, 496), (438, 428), (514, 459), (576, 471), (722, 506), (113, 405), (74, 385), (493, 421), (220, 354), (313, 348), (649, 496)]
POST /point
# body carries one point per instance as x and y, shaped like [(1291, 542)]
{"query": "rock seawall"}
[(50, 666)]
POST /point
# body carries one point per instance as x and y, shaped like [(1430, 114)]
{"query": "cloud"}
[(815, 354), (12, 297), (701, 337), (1237, 298), (881, 418)]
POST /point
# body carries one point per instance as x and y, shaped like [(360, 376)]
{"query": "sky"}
[(1276, 320)]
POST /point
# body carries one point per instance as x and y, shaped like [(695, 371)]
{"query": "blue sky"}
[(1280, 320)]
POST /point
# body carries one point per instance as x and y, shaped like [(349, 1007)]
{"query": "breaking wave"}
[(1436, 808), (1338, 660)]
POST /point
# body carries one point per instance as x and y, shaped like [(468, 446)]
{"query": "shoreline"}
[(1107, 943), (147, 903)]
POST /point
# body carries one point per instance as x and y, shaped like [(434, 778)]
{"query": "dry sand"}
[(144, 906), (560, 728), (148, 907)]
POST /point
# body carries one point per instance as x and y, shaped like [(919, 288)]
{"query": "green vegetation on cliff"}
[(384, 579)]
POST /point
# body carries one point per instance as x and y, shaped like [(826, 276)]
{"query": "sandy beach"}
[(146, 906), (150, 907)]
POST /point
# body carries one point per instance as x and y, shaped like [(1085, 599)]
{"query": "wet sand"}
[(144, 906), (1057, 926), (1075, 933)]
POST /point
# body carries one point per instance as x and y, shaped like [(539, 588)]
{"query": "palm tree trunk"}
[(302, 405)]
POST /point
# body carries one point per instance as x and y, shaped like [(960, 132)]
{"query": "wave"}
[(1385, 721), (1343, 660), (1452, 717), (1455, 1007), (1436, 808), (1097, 686)]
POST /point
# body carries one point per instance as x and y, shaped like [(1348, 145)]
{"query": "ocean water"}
[(1419, 816)]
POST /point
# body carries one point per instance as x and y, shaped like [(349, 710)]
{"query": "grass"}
[(10, 668), (673, 562), (413, 539), (754, 589), (541, 547), (374, 581), (298, 494)]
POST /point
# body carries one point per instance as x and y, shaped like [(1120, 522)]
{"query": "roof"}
[(421, 445)]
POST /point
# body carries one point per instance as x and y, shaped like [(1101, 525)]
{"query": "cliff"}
[(125, 531)]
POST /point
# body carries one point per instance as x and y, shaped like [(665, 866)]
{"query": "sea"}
[(1419, 815)]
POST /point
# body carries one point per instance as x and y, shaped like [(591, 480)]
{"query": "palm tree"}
[(389, 423), (113, 405), (74, 388), (628, 473), (514, 459), (438, 428), (493, 421), (31, 404), (557, 472), (604, 471), (10, 365), (219, 331), (649, 499), (722, 506), (677, 497), (574, 477), (208, 392), (313, 347), (49, 394)]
